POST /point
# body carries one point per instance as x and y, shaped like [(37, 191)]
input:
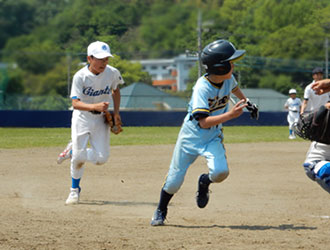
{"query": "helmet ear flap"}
[(222, 69)]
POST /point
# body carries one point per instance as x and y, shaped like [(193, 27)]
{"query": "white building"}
[(170, 73)]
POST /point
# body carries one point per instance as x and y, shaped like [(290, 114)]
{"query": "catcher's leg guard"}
[(323, 175), (324, 183), (309, 169)]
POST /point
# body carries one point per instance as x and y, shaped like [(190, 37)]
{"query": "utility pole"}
[(326, 45), (199, 41), (69, 59)]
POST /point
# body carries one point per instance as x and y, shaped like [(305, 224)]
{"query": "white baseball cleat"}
[(292, 137), (73, 197), (66, 154)]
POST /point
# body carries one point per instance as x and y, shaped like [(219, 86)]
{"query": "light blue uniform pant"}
[(187, 149)]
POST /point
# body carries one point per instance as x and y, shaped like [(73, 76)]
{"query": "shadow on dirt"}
[(281, 227), (118, 203)]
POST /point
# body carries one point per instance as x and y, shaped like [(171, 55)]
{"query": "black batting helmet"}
[(216, 56)]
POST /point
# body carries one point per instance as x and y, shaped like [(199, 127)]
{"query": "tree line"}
[(43, 37)]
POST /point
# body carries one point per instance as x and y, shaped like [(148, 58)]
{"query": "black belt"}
[(95, 112), (294, 111)]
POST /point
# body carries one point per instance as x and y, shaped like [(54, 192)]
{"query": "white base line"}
[(321, 216)]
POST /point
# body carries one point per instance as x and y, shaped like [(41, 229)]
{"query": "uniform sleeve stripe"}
[(234, 89), (200, 111)]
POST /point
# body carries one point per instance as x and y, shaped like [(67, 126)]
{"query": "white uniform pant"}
[(318, 152), (292, 118), (87, 127)]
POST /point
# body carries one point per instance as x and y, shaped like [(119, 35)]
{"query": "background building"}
[(170, 73)]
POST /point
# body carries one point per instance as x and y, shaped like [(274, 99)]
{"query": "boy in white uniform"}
[(293, 106), (93, 87)]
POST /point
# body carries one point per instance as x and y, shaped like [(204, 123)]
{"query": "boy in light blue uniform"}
[(201, 132)]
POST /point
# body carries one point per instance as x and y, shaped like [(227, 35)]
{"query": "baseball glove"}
[(114, 122), (253, 109), (314, 126)]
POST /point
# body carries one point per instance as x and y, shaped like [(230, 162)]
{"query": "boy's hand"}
[(321, 87), (237, 109), (101, 106)]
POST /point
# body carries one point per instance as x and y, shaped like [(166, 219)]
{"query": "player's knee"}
[(219, 176), (102, 159), (79, 157)]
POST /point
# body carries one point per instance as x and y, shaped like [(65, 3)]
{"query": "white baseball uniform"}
[(88, 126), (293, 105), (314, 101)]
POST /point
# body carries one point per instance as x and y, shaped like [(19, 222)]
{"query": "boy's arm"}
[(116, 100), (99, 107), (210, 121), (116, 105), (303, 106), (239, 94)]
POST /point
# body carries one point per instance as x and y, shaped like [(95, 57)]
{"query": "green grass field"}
[(52, 137)]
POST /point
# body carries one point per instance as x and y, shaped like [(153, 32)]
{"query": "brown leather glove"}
[(114, 122)]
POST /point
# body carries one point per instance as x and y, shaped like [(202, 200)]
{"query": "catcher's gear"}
[(253, 109), (314, 126), (114, 122), (216, 57), (319, 171)]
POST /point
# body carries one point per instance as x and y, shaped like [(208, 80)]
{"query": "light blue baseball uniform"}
[(208, 99)]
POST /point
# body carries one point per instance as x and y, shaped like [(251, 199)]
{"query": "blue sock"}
[(75, 183), (290, 131)]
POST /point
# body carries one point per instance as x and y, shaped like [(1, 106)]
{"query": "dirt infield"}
[(266, 203)]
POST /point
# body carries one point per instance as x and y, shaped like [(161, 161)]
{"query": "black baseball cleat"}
[(202, 197), (158, 218)]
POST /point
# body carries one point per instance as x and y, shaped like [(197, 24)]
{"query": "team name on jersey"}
[(91, 92), (218, 103)]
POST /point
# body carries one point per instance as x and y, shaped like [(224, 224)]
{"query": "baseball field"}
[(267, 202)]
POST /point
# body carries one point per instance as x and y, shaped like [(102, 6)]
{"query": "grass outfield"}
[(52, 137)]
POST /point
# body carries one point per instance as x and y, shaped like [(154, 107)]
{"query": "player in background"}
[(312, 101), (293, 105), (201, 132), (317, 162), (93, 88)]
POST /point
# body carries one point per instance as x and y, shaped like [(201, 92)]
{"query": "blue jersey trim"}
[(74, 97)]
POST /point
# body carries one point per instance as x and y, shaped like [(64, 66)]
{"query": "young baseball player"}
[(93, 88), (293, 106), (201, 133)]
